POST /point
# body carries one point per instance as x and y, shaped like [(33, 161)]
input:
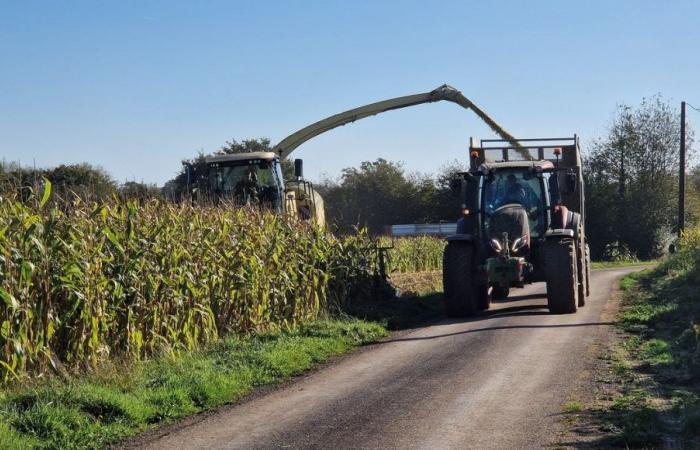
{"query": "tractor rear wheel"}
[(588, 270), (561, 274), (458, 280), (500, 293), (581, 266)]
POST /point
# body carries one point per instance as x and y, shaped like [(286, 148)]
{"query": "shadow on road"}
[(513, 298), (525, 310), (499, 327)]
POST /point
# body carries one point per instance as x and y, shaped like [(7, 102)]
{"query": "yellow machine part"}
[(304, 203)]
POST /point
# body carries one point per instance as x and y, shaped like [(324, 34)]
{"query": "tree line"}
[(70, 181)]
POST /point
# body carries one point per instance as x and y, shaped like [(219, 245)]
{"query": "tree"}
[(381, 193), (692, 198), (631, 181), (82, 180), (138, 191), (68, 181), (448, 205)]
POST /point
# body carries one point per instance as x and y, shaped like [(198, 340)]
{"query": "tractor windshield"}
[(515, 186), (249, 182)]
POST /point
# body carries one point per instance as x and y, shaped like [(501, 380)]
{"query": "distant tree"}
[(68, 180), (631, 181), (377, 194), (446, 204), (692, 197), (82, 180), (245, 146), (18, 179), (138, 191)]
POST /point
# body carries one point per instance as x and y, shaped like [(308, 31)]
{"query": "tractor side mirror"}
[(570, 182), (299, 168), (554, 191), (456, 186)]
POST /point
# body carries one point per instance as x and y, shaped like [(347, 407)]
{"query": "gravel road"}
[(496, 381)]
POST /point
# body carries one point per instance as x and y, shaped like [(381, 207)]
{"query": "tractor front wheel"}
[(458, 280), (483, 300), (561, 274), (500, 293)]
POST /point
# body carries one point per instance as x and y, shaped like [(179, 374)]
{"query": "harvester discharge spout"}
[(445, 92)]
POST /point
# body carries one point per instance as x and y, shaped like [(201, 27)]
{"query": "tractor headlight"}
[(518, 244), (496, 246)]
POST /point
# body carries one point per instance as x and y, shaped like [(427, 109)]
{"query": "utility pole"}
[(681, 176)]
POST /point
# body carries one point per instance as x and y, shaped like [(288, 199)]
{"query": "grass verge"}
[(614, 264), (97, 409), (648, 389)]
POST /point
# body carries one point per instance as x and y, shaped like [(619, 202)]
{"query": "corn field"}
[(414, 254), (82, 282)]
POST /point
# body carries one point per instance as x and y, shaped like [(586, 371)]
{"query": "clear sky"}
[(136, 86)]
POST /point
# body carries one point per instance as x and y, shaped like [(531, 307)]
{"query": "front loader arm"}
[(444, 92)]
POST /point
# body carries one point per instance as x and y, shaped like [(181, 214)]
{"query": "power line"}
[(696, 109)]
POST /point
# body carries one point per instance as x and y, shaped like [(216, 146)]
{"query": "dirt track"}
[(495, 381)]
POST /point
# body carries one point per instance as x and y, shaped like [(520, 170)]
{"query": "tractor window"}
[(507, 187), (245, 183)]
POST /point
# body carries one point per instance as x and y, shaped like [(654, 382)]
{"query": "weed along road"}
[(498, 380)]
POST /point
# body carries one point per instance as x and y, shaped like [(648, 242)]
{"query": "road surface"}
[(496, 381)]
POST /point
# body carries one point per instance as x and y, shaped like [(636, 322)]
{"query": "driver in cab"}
[(247, 188), (515, 192)]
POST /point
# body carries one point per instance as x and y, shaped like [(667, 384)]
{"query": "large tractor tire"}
[(581, 267), (499, 293), (460, 291), (561, 274), (588, 270), (483, 300)]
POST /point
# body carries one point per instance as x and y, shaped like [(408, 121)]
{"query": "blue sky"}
[(136, 86)]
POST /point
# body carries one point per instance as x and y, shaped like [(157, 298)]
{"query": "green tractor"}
[(522, 221)]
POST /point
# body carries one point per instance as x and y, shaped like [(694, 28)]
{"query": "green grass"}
[(573, 407), (634, 420), (95, 410), (614, 264), (655, 371)]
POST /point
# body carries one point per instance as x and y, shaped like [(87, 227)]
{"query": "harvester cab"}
[(256, 178), (521, 221)]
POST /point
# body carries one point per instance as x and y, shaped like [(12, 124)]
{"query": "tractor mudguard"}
[(467, 225), (460, 237), (563, 217), (574, 223)]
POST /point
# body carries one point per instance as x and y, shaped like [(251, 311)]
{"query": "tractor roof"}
[(544, 164), (236, 157), (497, 153)]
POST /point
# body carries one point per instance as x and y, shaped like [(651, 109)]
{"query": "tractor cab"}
[(247, 178), (255, 178), (512, 187)]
